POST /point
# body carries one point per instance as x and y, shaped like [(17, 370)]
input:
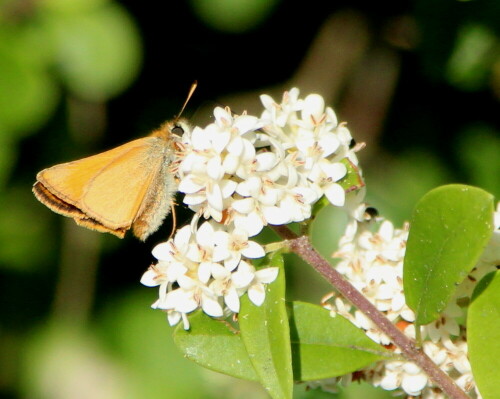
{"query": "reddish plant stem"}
[(303, 247)]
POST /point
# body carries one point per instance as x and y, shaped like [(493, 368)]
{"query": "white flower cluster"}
[(241, 173), (373, 263), (247, 172)]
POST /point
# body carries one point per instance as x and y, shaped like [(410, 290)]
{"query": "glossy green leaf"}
[(266, 334), (352, 180), (325, 346), (483, 335), (450, 227), (98, 52), (215, 345)]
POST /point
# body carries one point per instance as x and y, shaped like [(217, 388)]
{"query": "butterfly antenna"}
[(190, 94)]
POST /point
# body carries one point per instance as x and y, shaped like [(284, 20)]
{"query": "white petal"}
[(163, 251), (227, 187), (265, 161), (214, 197), (245, 123), (200, 139), (189, 186), (332, 118), (214, 168), (175, 270), (243, 276), (245, 205), (187, 283), (221, 238), (235, 147), (329, 144), (267, 101), (149, 278), (314, 105), (253, 250), (194, 253), (231, 163), (267, 275), (386, 230), (335, 194), (221, 114), (220, 140), (173, 317), (257, 294), (249, 187), (334, 171), (269, 196), (211, 306), (248, 154), (275, 215), (233, 261), (413, 384), (180, 300), (232, 300), (220, 253), (205, 235), (156, 305), (389, 382), (219, 272), (251, 223), (194, 199), (205, 271)]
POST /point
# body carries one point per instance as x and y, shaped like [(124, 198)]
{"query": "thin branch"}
[(303, 247)]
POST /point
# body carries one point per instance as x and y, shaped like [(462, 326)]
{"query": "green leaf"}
[(215, 345), (483, 335), (266, 334), (353, 180), (325, 346), (450, 227)]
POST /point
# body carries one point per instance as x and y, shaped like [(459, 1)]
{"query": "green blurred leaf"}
[(233, 16), (475, 52), (71, 6), (483, 335), (8, 156), (325, 346), (97, 52), (450, 227), (141, 340), (215, 345), (24, 242), (28, 94), (479, 150), (266, 334), (59, 359), (395, 185)]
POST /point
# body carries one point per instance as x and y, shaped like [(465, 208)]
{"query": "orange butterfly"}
[(129, 187)]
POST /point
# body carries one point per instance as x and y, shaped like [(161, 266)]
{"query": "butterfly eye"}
[(177, 130)]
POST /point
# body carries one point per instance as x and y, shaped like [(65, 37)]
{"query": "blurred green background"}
[(418, 81)]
